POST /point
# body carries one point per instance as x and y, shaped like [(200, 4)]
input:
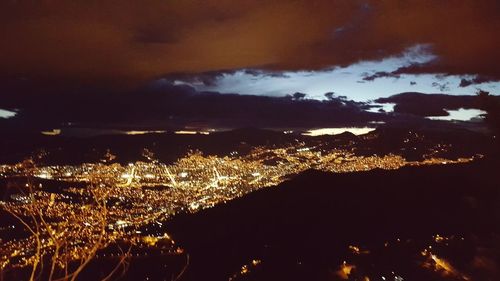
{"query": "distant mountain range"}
[(180, 106), (411, 143)]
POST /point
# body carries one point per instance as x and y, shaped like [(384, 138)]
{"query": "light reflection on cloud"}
[(460, 115), (6, 113)]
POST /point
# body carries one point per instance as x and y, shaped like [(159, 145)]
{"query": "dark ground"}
[(302, 228)]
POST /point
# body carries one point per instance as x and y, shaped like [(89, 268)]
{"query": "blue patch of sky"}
[(347, 81)]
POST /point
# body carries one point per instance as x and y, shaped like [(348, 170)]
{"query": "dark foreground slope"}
[(300, 230)]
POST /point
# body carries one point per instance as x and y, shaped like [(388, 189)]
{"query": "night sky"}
[(64, 55)]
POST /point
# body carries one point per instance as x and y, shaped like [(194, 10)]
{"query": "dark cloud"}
[(380, 74), (416, 68), (210, 78), (131, 41), (432, 104), (443, 87), (465, 82), (261, 73), (474, 81)]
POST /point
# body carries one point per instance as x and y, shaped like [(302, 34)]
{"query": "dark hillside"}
[(301, 228)]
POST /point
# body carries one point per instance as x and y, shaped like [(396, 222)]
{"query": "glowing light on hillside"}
[(143, 132), (53, 132), (187, 132)]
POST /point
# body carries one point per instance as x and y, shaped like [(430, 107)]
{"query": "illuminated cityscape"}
[(293, 140), (117, 202)]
